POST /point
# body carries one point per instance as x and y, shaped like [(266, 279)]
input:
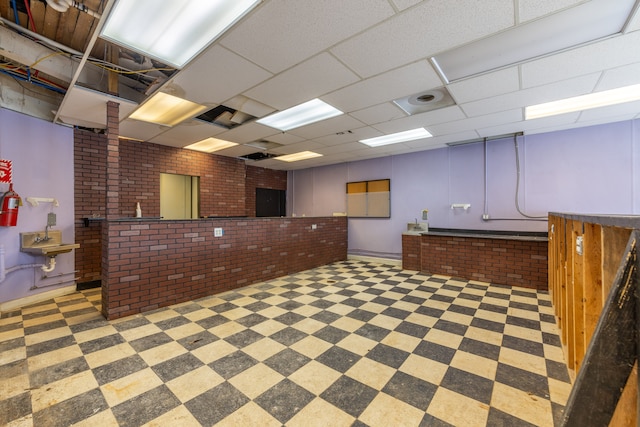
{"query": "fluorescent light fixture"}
[(303, 155), (586, 22), (172, 31), (300, 115), (584, 102), (210, 145), (167, 110), (394, 138)]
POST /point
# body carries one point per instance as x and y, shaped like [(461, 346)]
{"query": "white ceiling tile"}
[(311, 79), (280, 34), (634, 22), (344, 137), (284, 138), (135, 129), (340, 148), (528, 126), (428, 119), (618, 77), (88, 108), (486, 85), (331, 126), (474, 123), (439, 140), (551, 92), (216, 76), (404, 4), (298, 147), (574, 125), (391, 85), (610, 53), (237, 151), (532, 9), (379, 113), (248, 132), (187, 133), (628, 109), (426, 29)]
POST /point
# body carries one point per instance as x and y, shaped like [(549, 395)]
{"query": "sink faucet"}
[(46, 237)]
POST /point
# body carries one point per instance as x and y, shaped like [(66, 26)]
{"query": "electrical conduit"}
[(4, 272)]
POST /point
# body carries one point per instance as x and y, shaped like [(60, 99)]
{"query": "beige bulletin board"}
[(369, 199)]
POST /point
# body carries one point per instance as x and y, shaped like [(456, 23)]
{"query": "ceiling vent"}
[(261, 155), (428, 100), (225, 117)]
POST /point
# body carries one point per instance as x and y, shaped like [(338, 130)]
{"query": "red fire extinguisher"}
[(9, 203)]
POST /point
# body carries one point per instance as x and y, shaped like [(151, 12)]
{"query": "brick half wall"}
[(495, 260), (152, 264)]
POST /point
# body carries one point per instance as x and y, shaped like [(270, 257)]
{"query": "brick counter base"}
[(152, 264), (498, 261)]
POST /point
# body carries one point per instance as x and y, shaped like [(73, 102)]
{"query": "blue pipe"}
[(15, 11), (35, 82)]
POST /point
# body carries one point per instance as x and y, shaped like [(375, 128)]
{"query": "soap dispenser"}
[(138, 210)]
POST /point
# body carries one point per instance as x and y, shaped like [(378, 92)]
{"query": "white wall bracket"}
[(464, 206), (35, 201)]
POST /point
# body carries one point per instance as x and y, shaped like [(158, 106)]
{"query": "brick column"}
[(112, 203)]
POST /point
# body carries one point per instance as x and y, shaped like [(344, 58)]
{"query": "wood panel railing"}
[(588, 258)]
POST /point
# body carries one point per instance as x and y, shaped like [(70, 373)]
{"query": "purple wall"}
[(42, 155), (587, 170)]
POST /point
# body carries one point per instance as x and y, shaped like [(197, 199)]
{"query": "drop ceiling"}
[(357, 55)]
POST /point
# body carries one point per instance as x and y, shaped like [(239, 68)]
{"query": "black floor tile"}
[(454, 328), (244, 338), (58, 371), (119, 369), (388, 355), (150, 341), (411, 390), (350, 395), (232, 364), (288, 336), (331, 334), (529, 382), (71, 410), (284, 400), (213, 405), (197, 340), (101, 343), (525, 346), (338, 358), (372, 332), (14, 407), (434, 351), (480, 348), (412, 329), (468, 384), (499, 419), (145, 407), (287, 361), (178, 366)]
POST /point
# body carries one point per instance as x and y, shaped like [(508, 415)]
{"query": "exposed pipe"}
[(31, 21), (15, 12), (51, 266), (4, 272), (63, 5), (40, 37)]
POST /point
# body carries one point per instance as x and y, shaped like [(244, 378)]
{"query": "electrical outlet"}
[(485, 217), (314, 226), (218, 232)]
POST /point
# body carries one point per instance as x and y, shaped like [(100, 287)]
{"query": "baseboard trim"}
[(34, 299), (394, 262)]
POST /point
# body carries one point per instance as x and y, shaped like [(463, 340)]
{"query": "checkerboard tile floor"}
[(348, 344)]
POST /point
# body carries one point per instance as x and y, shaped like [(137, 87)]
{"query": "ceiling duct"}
[(428, 100)]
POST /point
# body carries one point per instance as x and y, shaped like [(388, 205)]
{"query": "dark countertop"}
[(488, 234)]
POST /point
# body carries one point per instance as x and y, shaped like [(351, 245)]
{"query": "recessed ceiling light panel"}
[(172, 31), (300, 115), (303, 155), (394, 138), (210, 145), (584, 102), (167, 110), (584, 23)]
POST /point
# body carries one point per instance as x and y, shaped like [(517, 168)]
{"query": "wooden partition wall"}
[(585, 253)]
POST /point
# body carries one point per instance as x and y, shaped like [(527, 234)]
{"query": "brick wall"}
[(152, 264), (90, 176), (261, 178), (227, 187), (498, 261)]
